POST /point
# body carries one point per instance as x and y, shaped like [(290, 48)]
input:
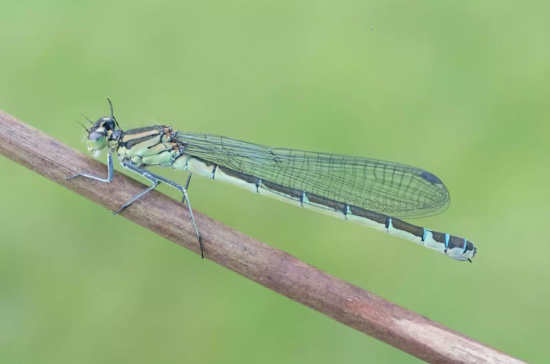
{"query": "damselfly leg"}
[(156, 180), (187, 184), (109, 172), (145, 175)]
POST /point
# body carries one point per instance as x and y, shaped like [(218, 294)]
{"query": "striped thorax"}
[(149, 146)]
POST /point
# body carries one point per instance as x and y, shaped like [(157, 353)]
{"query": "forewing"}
[(389, 188)]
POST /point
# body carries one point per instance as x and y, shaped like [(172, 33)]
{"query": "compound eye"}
[(94, 136)]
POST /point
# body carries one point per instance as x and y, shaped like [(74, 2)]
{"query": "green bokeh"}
[(458, 88)]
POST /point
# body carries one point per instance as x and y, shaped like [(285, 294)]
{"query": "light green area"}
[(458, 88)]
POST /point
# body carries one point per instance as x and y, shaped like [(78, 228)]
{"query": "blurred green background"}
[(458, 88)]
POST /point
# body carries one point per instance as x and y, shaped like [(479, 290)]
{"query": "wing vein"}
[(385, 187)]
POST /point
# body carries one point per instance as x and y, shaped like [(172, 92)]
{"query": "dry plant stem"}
[(250, 258)]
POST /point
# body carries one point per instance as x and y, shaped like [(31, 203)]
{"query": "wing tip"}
[(432, 178)]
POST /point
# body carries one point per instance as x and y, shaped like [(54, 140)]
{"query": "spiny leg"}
[(152, 187), (186, 197), (187, 186), (184, 201), (143, 171), (109, 172), (156, 179), (145, 174)]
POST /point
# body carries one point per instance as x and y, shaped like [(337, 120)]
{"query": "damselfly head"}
[(100, 133)]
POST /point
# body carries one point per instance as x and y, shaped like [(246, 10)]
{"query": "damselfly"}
[(368, 191)]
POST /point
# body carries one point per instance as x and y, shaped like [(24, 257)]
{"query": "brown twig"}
[(252, 259)]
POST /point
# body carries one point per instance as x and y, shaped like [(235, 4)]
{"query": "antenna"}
[(85, 128), (112, 113), (87, 118)]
